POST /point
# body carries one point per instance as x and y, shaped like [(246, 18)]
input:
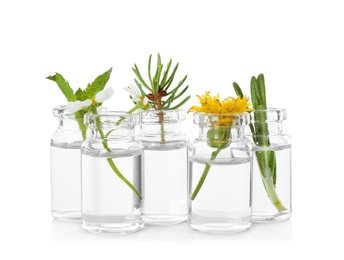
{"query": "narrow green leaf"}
[(181, 93), (64, 86), (261, 89), (139, 86), (137, 73), (158, 60), (272, 165), (237, 90), (179, 84), (98, 84), (181, 103), (166, 73), (157, 78), (170, 79), (149, 69), (254, 93)]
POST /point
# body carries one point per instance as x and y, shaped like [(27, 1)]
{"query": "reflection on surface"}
[(71, 230)]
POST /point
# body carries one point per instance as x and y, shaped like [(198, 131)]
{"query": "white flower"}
[(100, 97), (77, 105), (104, 95), (136, 96)]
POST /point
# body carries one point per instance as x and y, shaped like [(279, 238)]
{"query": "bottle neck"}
[(207, 132), (118, 133), (160, 131), (273, 128), (69, 123)]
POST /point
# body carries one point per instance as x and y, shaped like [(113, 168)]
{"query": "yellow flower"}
[(229, 106)]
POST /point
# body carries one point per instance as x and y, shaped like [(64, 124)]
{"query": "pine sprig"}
[(157, 90)]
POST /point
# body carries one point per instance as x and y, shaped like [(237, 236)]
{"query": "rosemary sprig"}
[(260, 134)]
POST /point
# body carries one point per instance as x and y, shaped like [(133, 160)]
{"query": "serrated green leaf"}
[(80, 95), (238, 90), (98, 84), (64, 86)]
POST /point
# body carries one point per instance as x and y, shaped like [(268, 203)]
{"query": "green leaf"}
[(272, 165), (139, 86), (179, 84), (238, 90), (181, 103), (64, 86), (158, 60), (166, 73), (149, 70), (98, 84), (261, 90), (181, 93), (137, 73), (80, 95), (157, 79), (254, 93), (170, 79)]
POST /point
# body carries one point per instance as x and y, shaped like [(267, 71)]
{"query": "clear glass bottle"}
[(271, 189), (112, 174), (65, 163), (165, 163), (219, 175)]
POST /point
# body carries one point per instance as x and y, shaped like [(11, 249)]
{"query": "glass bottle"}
[(271, 166), (165, 163), (112, 174), (219, 175), (65, 164)]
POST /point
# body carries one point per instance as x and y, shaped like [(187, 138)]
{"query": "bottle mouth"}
[(110, 119), (63, 112), (271, 114), (156, 116), (221, 120)]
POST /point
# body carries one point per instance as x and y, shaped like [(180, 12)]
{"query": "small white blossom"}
[(136, 96), (77, 105), (104, 95), (100, 97)]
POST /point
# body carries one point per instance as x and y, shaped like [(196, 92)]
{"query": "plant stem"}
[(204, 174), (110, 160), (267, 167)]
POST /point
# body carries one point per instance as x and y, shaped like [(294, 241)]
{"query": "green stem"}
[(120, 175), (204, 174), (162, 128), (267, 167), (111, 163)]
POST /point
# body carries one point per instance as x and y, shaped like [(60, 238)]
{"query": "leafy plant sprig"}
[(260, 134), (158, 90), (80, 95), (87, 101)]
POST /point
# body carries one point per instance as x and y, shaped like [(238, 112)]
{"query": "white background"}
[(298, 45)]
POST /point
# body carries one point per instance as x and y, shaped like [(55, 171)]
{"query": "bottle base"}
[(263, 217), (164, 219), (66, 215), (220, 227), (115, 228)]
